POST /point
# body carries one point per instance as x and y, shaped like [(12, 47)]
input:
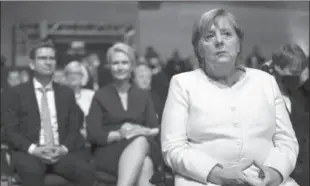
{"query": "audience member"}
[(24, 76), (91, 64), (74, 75), (76, 52), (121, 123), (13, 78), (160, 81), (42, 121), (256, 58), (59, 77), (225, 124), (291, 68), (4, 73), (143, 79)]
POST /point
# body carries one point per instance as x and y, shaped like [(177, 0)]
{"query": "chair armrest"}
[(162, 178), (7, 153)]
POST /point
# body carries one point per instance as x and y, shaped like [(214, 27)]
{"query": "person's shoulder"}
[(62, 87), (20, 88), (104, 91), (257, 74), (139, 91), (188, 77), (87, 91)]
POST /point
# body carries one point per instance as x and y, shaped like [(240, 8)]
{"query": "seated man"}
[(43, 122)]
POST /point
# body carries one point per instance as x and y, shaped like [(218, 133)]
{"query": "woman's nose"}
[(218, 41)]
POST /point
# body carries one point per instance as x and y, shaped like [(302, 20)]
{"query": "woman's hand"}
[(269, 176), (115, 136), (231, 176), (129, 130)]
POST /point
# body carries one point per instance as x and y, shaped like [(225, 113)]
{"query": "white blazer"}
[(203, 125)]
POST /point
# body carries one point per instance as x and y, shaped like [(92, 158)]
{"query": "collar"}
[(38, 85)]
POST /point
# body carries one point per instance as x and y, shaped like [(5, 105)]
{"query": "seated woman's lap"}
[(107, 157)]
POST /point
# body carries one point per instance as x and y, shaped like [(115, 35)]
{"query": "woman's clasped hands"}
[(129, 130), (236, 176)]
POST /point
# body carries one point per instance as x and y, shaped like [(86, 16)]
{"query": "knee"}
[(142, 143), (34, 167)]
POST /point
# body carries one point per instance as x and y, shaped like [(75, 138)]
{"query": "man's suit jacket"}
[(21, 117)]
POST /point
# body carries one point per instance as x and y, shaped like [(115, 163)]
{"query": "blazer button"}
[(239, 143)]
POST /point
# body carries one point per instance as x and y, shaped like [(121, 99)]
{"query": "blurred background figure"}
[(160, 81), (74, 75), (143, 78), (59, 77), (13, 78), (24, 76), (256, 58), (175, 65), (4, 73), (91, 63), (76, 51), (291, 72), (142, 60)]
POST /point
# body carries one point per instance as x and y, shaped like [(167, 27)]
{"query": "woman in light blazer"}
[(224, 124)]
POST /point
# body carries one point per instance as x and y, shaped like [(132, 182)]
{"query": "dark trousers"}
[(72, 167)]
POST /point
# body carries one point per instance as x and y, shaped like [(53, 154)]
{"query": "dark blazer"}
[(21, 117), (107, 114)]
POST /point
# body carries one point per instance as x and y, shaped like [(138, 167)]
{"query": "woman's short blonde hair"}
[(124, 48), (206, 21), (73, 66)]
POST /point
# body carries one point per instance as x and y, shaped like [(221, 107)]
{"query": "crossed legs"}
[(135, 166)]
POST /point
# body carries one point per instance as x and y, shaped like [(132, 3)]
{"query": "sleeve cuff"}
[(276, 160), (31, 148), (192, 164), (65, 148)]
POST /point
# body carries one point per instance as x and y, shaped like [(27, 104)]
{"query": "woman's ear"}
[(200, 50)]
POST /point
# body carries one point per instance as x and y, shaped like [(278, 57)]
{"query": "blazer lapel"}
[(31, 104), (31, 96)]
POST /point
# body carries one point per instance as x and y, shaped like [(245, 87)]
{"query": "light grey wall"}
[(268, 26)]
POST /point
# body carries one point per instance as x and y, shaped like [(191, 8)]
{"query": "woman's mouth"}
[(220, 52)]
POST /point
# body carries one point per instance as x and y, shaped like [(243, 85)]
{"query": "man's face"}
[(44, 62)]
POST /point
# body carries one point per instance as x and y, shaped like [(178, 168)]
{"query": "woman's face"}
[(120, 66), (219, 46), (143, 78), (74, 78)]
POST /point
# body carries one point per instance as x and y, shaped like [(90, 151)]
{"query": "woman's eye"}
[(208, 37), (227, 33)]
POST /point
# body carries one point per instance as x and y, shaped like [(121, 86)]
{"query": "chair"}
[(160, 177)]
